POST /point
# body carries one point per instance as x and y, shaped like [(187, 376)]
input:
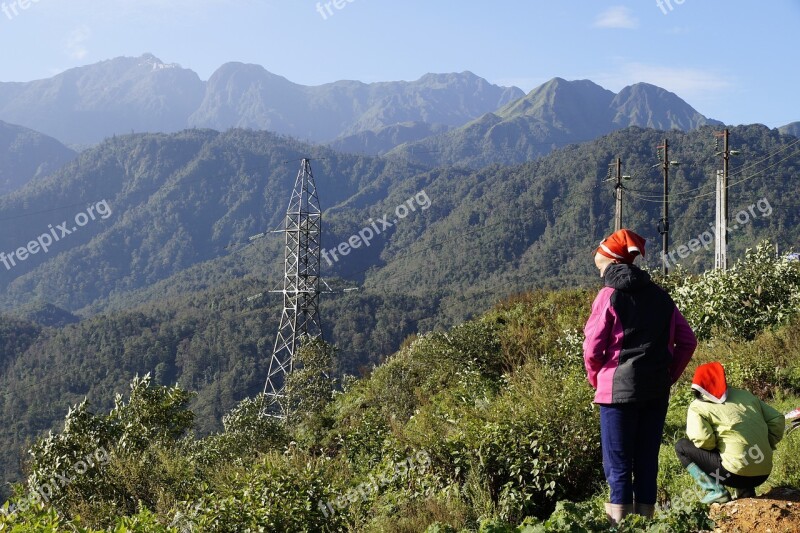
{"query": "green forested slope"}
[(170, 294), (213, 342), (26, 154), (483, 427), (537, 224), (179, 201), (168, 202)]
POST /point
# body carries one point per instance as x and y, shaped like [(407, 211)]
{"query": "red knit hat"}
[(623, 245), (709, 379)]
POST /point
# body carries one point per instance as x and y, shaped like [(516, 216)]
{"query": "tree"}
[(309, 388)]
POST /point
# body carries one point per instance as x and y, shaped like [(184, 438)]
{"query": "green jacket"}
[(744, 430)]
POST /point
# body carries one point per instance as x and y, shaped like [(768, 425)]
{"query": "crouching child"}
[(731, 435)]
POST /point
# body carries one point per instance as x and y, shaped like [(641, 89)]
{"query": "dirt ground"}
[(777, 511)]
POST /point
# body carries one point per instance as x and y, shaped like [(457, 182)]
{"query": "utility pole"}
[(663, 225), (618, 187), (721, 241), (721, 223), (300, 319), (617, 178)]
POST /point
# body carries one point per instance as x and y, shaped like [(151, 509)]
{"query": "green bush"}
[(247, 434), (499, 408), (757, 293), (105, 466), (285, 492), (510, 450)]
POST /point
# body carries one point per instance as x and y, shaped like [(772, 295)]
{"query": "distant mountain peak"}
[(556, 113), (445, 76), (26, 154), (791, 129), (649, 106), (150, 58), (573, 107), (156, 63)]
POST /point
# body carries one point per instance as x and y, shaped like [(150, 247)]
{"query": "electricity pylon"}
[(300, 321)]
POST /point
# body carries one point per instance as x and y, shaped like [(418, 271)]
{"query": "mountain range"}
[(555, 114), (437, 119), (26, 154), (87, 104), (163, 277)]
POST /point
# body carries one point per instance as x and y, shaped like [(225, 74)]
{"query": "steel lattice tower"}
[(300, 318)]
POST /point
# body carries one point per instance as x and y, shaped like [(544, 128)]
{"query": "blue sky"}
[(679, 45)]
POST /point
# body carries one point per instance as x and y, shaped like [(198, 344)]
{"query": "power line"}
[(678, 195), (645, 198)]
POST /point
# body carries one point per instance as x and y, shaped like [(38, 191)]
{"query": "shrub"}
[(757, 293), (284, 492), (247, 434), (100, 467)]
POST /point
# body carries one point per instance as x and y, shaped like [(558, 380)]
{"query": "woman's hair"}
[(698, 395)]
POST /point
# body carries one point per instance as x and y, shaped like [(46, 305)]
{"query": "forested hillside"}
[(181, 207), (168, 282), (487, 426), (26, 154), (160, 204), (213, 342), (535, 225)]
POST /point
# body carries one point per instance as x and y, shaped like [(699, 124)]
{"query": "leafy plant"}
[(758, 292)]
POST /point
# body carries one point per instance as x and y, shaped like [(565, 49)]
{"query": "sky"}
[(733, 60)]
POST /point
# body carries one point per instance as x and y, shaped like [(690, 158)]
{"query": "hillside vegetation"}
[(166, 283), (26, 154), (488, 426), (182, 206)]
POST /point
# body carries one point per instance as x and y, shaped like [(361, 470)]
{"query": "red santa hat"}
[(709, 379), (623, 245)]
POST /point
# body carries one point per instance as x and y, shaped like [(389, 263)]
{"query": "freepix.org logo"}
[(45, 490), (376, 227), (12, 9), (666, 6), (706, 239), (55, 234), (326, 9)]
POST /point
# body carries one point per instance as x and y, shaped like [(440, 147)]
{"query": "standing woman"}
[(637, 345)]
